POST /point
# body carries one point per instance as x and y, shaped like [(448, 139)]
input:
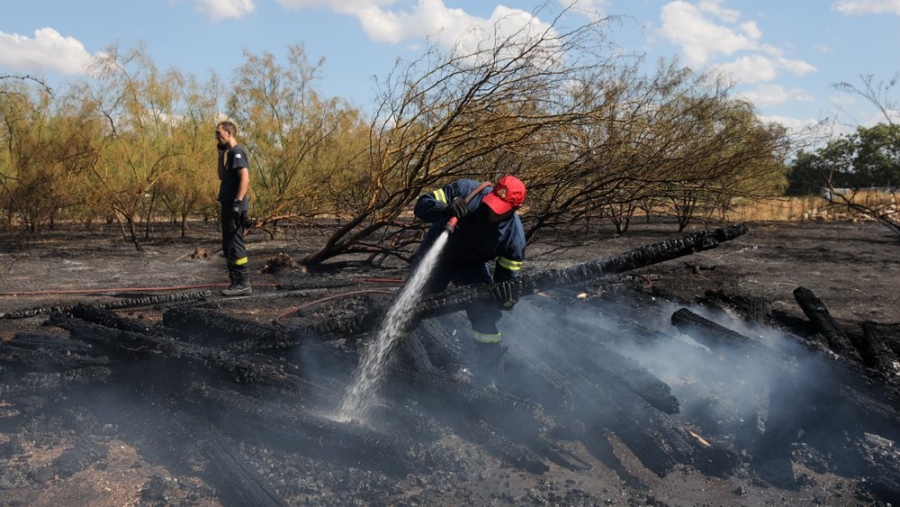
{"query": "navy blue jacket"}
[(476, 239)]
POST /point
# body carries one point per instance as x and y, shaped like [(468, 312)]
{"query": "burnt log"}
[(47, 360), (211, 328), (83, 454), (709, 333), (416, 355), (108, 318), (237, 482), (825, 324), (576, 349), (128, 345), (113, 305), (600, 405), (447, 395), (875, 352), (39, 341), (580, 274), (33, 383), (292, 427), (755, 310), (880, 459), (604, 366), (515, 454)]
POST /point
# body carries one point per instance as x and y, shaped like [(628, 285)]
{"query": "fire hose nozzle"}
[(451, 224)]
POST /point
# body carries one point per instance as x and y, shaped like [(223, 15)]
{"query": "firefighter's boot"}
[(240, 284), (487, 362)]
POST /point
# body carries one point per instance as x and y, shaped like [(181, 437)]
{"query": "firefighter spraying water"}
[(472, 224), (371, 366)]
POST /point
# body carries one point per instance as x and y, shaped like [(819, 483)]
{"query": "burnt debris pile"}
[(599, 363)]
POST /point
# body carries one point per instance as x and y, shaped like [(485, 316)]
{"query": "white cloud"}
[(343, 6), (715, 8), (851, 7), (842, 101), (595, 10), (427, 18), (692, 27), (218, 10), (771, 95), (47, 51), (794, 124), (451, 28), (760, 68), (707, 32)]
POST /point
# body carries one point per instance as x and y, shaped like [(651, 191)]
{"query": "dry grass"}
[(807, 208)]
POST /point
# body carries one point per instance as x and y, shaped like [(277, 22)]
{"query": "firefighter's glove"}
[(458, 208), (507, 296), (244, 220)]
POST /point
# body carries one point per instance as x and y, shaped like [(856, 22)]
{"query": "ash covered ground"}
[(604, 401)]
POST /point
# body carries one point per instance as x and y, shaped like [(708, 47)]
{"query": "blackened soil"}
[(854, 268)]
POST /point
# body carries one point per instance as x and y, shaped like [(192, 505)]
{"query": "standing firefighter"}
[(488, 228), (234, 174)]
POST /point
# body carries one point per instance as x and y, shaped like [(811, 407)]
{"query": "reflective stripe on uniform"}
[(509, 264), (440, 196), (486, 338), (241, 261)]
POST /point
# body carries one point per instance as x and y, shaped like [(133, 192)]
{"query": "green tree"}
[(48, 142), (299, 141), (139, 105)]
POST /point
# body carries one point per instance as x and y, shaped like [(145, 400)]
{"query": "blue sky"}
[(784, 55)]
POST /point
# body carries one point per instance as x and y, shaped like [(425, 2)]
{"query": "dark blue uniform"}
[(233, 245), (475, 242)]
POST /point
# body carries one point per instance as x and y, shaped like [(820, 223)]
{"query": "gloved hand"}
[(244, 220), (236, 210), (507, 296), (458, 208)]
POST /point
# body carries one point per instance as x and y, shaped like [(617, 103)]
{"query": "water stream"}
[(371, 367)]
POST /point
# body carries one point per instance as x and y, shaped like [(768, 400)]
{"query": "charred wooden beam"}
[(445, 394), (755, 310), (880, 458), (596, 407), (40, 341), (46, 360), (113, 305), (517, 455), (212, 328), (74, 459), (875, 352), (825, 324), (235, 479), (128, 345), (580, 274), (416, 355), (295, 428), (579, 351), (826, 380), (709, 333), (637, 258), (37, 383), (108, 318)]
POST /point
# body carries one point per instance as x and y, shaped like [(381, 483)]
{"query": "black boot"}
[(240, 284), (487, 362)]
